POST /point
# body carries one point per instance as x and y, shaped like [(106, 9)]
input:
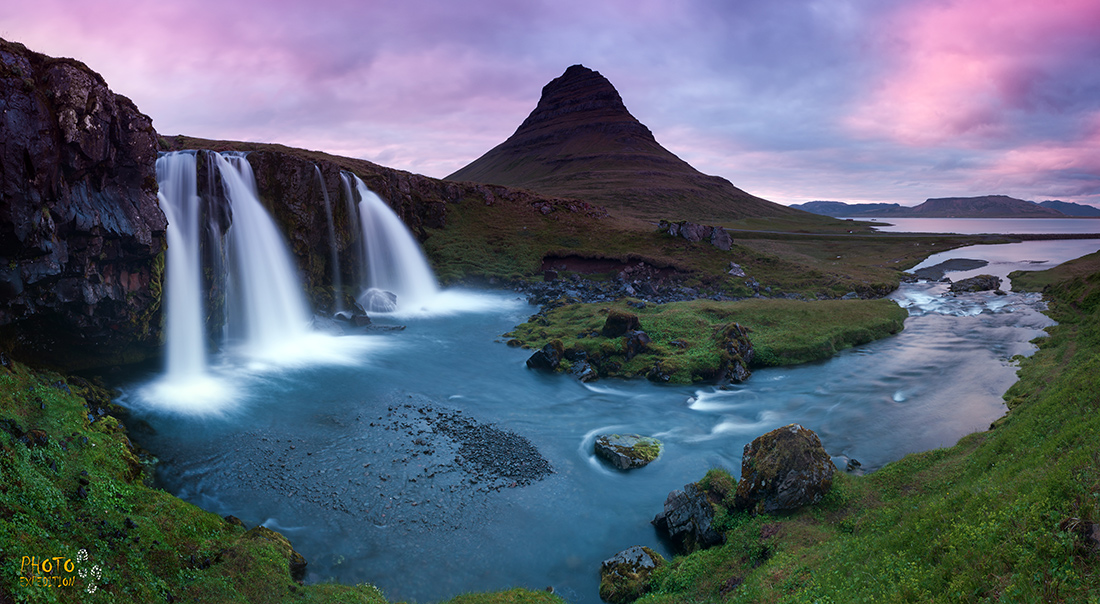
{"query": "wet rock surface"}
[(627, 451), (687, 518)]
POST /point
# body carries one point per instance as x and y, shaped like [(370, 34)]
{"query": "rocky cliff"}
[(581, 141), (81, 233)]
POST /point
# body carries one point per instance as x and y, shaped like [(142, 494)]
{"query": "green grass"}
[(988, 520), (684, 334)]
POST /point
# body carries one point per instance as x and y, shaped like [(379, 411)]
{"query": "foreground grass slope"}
[(997, 518)]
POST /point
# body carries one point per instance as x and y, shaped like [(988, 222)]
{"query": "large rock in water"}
[(784, 469), (81, 233), (981, 283), (686, 520), (626, 451), (624, 577)]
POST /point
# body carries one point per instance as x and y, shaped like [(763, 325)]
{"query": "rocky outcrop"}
[(716, 236), (625, 576), (81, 233), (784, 469), (737, 353), (627, 451), (687, 520), (981, 283)]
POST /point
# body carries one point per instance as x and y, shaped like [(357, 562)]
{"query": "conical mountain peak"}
[(580, 141)]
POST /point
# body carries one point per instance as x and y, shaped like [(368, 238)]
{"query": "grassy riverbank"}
[(686, 336), (998, 517)]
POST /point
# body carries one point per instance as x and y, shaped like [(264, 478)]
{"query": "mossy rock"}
[(626, 451), (625, 577), (784, 469), (619, 322)]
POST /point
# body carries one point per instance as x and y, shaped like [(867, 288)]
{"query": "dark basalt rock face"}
[(81, 233), (581, 141), (687, 520), (784, 469)]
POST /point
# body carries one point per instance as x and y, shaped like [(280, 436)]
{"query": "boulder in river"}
[(687, 520), (784, 469), (981, 283), (626, 451), (624, 577), (548, 357)]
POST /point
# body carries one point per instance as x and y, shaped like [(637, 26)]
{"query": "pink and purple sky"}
[(791, 100)]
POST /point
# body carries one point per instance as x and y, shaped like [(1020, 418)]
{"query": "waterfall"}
[(337, 285), (392, 256), (267, 307), (353, 218), (185, 347)]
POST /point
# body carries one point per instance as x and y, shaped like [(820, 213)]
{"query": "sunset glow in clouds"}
[(790, 100)]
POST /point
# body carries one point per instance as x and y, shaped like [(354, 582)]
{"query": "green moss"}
[(688, 337)]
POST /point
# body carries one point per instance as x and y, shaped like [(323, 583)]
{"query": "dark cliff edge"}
[(81, 234)]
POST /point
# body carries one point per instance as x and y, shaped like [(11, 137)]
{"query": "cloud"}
[(965, 73)]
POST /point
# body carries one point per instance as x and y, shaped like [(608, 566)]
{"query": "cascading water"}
[(393, 258), (268, 309), (337, 285), (353, 217), (185, 349)]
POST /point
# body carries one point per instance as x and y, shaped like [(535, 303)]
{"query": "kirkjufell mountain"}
[(581, 142)]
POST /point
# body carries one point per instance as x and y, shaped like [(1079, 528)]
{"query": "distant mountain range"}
[(987, 206), (581, 142)]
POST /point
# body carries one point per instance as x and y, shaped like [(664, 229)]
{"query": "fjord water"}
[(977, 226), (337, 457)]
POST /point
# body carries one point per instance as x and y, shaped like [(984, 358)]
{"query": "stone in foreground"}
[(624, 577), (784, 469), (626, 451), (687, 518)]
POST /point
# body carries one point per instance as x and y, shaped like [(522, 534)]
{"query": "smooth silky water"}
[(337, 454)]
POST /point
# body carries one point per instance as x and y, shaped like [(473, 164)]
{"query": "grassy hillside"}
[(1000, 517)]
